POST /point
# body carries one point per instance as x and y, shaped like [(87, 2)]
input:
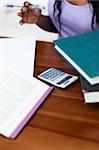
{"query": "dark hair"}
[(58, 10), (95, 4)]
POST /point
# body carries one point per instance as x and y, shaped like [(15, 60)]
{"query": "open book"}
[(20, 93), (19, 99)]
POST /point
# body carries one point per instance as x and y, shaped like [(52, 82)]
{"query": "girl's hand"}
[(29, 14)]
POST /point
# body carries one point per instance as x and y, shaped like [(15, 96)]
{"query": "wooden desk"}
[(63, 122)]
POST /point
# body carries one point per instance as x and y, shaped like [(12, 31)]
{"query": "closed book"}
[(91, 92), (82, 52)]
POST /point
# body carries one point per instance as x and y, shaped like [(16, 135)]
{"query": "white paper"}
[(18, 54)]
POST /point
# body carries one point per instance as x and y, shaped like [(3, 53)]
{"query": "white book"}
[(20, 93), (90, 92)]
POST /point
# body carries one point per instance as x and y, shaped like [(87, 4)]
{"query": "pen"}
[(32, 6)]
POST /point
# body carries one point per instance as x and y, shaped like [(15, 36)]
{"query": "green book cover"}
[(82, 52)]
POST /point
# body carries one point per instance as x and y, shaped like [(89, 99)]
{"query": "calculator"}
[(57, 78)]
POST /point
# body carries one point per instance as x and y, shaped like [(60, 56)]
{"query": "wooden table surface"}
[(64, 121)]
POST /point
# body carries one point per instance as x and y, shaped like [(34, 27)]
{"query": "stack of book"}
[(91, 92), (82, 52)]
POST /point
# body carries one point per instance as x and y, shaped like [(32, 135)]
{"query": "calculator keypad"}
[(52, 74), (57, 77)]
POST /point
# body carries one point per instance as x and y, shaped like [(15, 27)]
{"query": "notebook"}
[(91, 92), (82, 52), (21, 94)]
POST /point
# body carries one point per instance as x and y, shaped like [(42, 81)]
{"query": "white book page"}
[(14, 90), (18, 97), (4, 77)]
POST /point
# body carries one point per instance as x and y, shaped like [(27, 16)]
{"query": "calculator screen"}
[(64, 80)]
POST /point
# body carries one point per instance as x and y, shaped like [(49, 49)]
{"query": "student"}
[(67, 17)]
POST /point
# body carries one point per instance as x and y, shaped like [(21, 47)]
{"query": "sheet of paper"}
[(18, 54)]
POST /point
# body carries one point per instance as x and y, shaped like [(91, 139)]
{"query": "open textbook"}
[(20, 93), (19, 99)]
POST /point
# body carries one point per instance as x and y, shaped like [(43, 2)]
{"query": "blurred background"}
[(9, 21)]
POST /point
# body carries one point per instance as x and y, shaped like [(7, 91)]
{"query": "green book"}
[(82, 52)]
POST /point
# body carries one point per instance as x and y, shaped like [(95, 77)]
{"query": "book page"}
[(18, 95), (13, 91)]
